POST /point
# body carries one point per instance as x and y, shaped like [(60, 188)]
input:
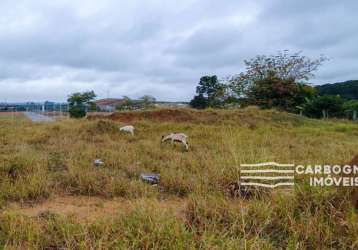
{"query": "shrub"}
[(77, 111), (324, 106)]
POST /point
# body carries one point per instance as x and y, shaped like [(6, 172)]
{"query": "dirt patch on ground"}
[(10, 113), (169, 115), (251, 117), (90, 209)]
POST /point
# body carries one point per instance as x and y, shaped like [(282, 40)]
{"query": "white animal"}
[(128, 129), (177, 137), (98, 162)]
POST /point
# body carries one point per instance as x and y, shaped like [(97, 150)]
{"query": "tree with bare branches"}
[(275, 76)]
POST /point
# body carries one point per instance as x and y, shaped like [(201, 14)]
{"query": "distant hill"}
[(347, 90)]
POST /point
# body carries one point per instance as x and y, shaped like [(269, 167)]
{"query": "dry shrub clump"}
[(309, 220), (103, 126), (139, 229), (104, 183), (23, 178), (354, 192)]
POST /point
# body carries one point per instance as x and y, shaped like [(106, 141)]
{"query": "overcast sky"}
[(49, 49)]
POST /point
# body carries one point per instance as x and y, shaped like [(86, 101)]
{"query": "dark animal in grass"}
[(13, 173)]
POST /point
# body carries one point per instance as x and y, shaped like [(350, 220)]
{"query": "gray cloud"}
[(49, 49)]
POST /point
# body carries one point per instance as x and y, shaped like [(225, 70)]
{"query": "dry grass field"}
[(52, 197)]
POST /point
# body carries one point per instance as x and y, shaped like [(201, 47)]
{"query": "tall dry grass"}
[(39, 161)]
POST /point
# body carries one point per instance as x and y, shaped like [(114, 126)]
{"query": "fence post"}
[(324, 114)]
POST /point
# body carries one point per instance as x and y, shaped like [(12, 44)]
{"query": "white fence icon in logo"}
[(267, 174)]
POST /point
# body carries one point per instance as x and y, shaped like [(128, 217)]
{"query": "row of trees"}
[(278, 81), (330, 106), (144, 102), (81, 103)]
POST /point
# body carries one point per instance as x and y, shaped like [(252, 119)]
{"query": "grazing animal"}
[(128, 129), (177, 137)]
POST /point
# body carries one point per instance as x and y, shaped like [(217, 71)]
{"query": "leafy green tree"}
[(79, 103), (324, 107), (304, 94), (304, 91), (237, 86), (275, 80), (148, 101), (199, 102), (274, 92), (283, 66), (211, 90), (351, 109), (144, 102)]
